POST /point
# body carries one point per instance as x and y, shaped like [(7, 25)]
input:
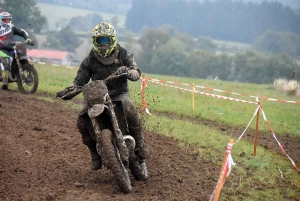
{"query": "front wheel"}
[(30, 84), (113, 160)]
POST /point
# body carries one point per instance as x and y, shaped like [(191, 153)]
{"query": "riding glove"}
[(29, 41), (68, 93), (132, 74), (122, 70)]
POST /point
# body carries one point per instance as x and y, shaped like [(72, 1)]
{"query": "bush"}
[(291, 87)]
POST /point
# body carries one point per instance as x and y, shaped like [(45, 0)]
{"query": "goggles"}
[(6, 19), (103, 40)]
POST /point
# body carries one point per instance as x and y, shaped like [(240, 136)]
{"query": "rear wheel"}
[(30, 84), (112, 157)]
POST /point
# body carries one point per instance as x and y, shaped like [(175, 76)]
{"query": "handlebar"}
[(32, 43), (113, 76), (72, 91)]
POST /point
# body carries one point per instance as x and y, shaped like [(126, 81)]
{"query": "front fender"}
[(96, 110)]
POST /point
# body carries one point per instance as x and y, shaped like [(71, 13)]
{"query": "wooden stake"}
[(193, 97), (222, 172), (256, 130), (143, 93)]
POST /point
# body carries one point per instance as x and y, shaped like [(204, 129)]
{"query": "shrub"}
[(291, 87)]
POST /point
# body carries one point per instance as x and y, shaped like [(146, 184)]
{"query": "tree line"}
[(279, 42), (221, 19), (170, 52), (170, 55)]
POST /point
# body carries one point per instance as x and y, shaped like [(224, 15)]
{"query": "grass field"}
[(56, 13), (283, 116)]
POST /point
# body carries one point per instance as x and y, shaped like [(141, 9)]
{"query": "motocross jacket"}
[(8, 35), (92, 68)]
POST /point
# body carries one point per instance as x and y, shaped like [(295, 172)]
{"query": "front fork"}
[(118, 135), (21, 73), (116, 131), (97, 131)]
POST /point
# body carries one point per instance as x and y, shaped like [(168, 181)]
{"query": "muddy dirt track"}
[(42, 158)]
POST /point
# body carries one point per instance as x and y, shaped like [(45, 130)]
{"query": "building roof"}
[(49, 54)]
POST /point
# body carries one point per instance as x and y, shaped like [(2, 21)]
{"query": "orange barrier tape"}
[(274, 136), (144, 102), (207, 94), (224, 91)]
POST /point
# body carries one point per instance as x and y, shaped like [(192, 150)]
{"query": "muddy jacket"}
[(8, 35), (92, 68)]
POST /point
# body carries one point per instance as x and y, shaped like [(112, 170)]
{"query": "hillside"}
[(57, 14), (292, 3)]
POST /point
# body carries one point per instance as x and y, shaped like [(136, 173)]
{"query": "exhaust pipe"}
[(10, 78), (130, 142)]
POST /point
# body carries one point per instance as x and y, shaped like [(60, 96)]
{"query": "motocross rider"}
[(7, 32), (105, 58)]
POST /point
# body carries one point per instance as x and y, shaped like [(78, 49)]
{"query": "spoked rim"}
[(29, 83)]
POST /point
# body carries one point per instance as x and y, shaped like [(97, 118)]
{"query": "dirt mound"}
[(42, 158)]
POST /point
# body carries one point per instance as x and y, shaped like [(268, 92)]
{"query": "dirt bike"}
[(22, 72), (113, 141)]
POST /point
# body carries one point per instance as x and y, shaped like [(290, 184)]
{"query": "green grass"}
[(253, 178), (282, 116), (54, 78), (258, 172), (56, 13)]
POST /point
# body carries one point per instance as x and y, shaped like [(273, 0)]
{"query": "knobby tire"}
[(114, 161), (30, 73)]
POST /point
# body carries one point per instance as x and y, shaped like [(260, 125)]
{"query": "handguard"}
[(68, 93)]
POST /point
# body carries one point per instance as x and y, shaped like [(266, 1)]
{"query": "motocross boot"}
[(83, 126), (5, 80), (141, 148), (96, 162)]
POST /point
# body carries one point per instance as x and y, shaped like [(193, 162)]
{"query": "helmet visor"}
[(103, 40), (6, 20)]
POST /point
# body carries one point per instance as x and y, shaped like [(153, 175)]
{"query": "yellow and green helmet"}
[(104, 38)]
